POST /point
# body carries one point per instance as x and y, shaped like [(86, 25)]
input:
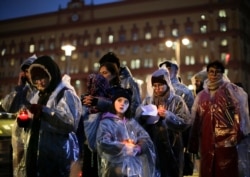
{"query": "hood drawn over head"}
[(48, 65)]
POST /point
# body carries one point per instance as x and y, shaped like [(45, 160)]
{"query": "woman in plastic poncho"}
[(165, 127), (124, 146), (51, 147)]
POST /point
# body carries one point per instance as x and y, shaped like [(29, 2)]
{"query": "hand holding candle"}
[(23, 119)]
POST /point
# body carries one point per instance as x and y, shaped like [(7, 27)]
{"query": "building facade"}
[(137, 32)]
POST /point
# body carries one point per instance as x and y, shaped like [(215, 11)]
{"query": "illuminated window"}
[(225, 57), (223, 27), (203, 28), (224, 42), (12, 62), (161, 30), (32, 48), (203, 17), (98, 40), (3, 51), (222, 13), (174, 32), (148, 35), (148, 63), (86, 42), (147, 31), (110, 39), (204, 44), (135, 64)]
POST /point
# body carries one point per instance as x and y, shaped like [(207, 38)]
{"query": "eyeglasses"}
[(159, 86), (214, 71)]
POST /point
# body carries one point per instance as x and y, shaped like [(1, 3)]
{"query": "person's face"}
[(214, 74), (121, 105), (159, 89), (197, 82), (106, 73), (41, 82)]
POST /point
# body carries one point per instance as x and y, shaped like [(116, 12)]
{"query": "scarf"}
[(212, 86)]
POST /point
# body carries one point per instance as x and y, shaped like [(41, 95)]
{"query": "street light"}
[(176, 44), (68, 52)]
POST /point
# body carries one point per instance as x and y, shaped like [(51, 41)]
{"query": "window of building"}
[(12, 47), (147, 31), (110, 36), (3, 51), (161, 30), (204, 43), (110, 39), (174, 29), (189, 60), (224, 42), (135, 33), (148, 63), (223, 27), (225, 57), (32, 46), (86, 37), (162, 47), (135, 64), (22, 47), (98, 38), (188, 26), (148, 48), (122, 50), (203, 28), (122, 34), (203, 24), (135, 49), (222, 13), (203, 17)]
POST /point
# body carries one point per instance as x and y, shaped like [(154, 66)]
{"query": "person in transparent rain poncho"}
[(51, 146), (221, 123), (124, 147), (165, 127)]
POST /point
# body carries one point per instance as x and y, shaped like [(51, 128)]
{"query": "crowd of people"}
[(110, 131)]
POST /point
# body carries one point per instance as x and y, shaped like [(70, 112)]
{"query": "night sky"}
[(10, 9)]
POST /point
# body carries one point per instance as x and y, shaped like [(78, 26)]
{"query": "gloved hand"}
[(35, 109)]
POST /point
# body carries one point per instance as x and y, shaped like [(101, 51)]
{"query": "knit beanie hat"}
[(110, 57), (121, 92)]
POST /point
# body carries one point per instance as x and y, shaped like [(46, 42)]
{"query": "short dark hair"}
[(216, 64), (110, 57)]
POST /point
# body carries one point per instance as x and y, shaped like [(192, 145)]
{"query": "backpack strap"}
[(60, 95)]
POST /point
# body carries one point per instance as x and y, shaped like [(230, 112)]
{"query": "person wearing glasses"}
[(221, 120), (165, 116)]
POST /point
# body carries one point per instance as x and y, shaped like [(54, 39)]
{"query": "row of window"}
[(84, 40)]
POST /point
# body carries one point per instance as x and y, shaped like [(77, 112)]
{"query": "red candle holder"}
[(23, 119)]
